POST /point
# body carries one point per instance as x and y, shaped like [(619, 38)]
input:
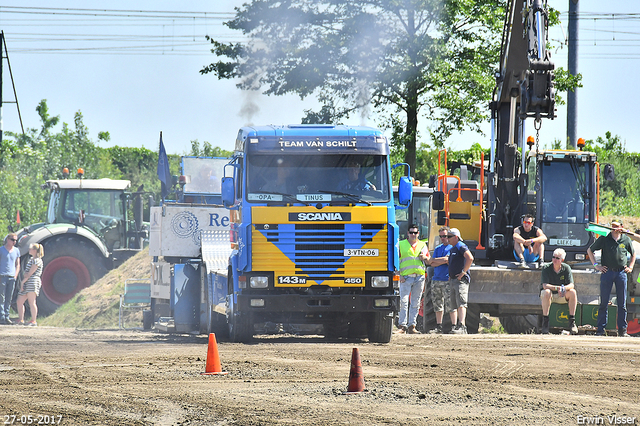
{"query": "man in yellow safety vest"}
[(413, 254)]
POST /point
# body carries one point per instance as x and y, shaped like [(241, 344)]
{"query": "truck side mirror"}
[(437, 201), (405, 191), (405, 187), (442, 218), (228, 192)]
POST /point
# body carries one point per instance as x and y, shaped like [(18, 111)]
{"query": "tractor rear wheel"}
[(70, 264)]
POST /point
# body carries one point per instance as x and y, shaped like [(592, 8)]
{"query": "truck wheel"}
[(240, 329), (519, 324), (472, 321), (69, 266), (380, 327), (240, 326), (216, 324), (147, 319)]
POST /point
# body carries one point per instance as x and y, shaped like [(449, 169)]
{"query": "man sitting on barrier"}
[(528, 242), (557, 286)]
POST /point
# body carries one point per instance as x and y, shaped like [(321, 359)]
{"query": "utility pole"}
[(4, 54), (572, 95), (1, 67)]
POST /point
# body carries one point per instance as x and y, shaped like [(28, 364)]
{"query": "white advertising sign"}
[(175, 230)]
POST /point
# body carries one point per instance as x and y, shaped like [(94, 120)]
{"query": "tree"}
[(29, 159), (626, 183), (207, 150), (403, 58)]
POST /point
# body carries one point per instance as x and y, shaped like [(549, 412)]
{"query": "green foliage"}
[(496, 328), (626, 184), (565, 82), (428, 160), (207, 150), (28, 160), (406, 60)]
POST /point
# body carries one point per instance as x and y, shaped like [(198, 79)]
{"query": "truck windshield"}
[(566, 202), (204, 174), (318, 178)]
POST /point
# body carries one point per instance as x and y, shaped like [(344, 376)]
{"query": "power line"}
[(174, 29), (53, 11)]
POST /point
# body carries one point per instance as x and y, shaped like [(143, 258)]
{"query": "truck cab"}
[(313, 230)]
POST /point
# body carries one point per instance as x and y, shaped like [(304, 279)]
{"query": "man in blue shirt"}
[(9, 268), (440, 288), (460, 260)]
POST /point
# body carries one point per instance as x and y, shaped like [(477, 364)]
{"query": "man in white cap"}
[(460, 260)]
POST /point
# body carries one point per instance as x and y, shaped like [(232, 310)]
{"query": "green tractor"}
[(87, 232)]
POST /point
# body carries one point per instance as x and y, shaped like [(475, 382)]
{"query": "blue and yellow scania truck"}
[(313, 231), (300, 229)]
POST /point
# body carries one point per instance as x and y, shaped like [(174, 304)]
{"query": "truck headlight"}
[(259, 282), (380, 282)]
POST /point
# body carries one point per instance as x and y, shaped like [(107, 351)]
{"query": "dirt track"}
[(133, 377)]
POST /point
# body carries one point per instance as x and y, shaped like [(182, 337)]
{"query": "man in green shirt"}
[(617, 260), (556, 285)]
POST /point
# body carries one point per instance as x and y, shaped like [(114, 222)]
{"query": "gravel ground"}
[(113, 377)]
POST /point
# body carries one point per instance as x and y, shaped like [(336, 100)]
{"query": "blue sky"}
[(135, 76)]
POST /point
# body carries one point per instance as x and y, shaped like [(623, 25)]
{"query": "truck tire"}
[(216, 324), (519, 324), (240, 329), (147, 319), (472, 321), (240, 326), (70, 264), (380, 327)]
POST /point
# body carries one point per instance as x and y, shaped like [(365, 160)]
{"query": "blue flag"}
[(164, 174)]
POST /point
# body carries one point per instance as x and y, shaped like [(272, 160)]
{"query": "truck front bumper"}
[(345, 303)]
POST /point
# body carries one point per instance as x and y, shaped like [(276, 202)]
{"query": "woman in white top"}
[(30, 285)]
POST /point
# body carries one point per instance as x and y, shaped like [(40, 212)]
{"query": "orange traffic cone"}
[(213, 359), (356, 378)]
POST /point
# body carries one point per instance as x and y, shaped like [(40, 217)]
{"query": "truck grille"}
[(317, 251)]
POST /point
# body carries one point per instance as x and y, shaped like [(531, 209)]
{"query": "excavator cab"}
[(567, 199)]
